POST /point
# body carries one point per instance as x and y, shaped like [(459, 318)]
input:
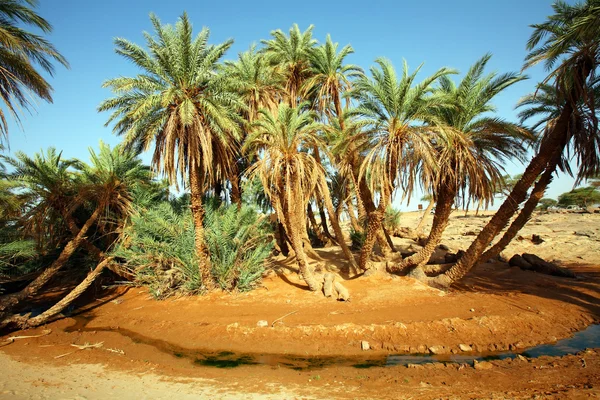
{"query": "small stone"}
[(482, 365), (438, 350), (262, 323), (364, 345), (415, 366), (520, 357), (465, 347), (472, 310)]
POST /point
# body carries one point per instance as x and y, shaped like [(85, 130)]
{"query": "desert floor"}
[(213, 347)]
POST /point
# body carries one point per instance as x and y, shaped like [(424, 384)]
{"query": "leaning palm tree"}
[(20, 51), (290, 56), (393, 107), (545, 107), (471, 147), (183, 104), (288, 175), (104, 188), (568, 43)]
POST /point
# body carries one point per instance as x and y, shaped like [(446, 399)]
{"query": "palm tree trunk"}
[(314, 225), (295, 221), (336, 225), (536, 195), (373, 227), (421, 224), (556, 140), (202, 254), (440, 222), (8, 303), (68, 299), (351, 212)]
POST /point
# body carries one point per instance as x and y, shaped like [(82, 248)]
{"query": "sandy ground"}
[(149, 348)]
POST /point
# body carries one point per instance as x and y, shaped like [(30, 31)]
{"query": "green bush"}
[(358, 239), (158, 247)]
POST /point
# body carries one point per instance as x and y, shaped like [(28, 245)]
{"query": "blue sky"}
[(435, 32)]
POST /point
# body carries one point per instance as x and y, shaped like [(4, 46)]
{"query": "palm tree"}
[(185, 106), (470, 146), (431, 202), (330, 78), (47, 185), (584, 141), (20, 51), (259, 86), (105, 188), (568, 43), (290, 176), (392, 106), (290, 56)]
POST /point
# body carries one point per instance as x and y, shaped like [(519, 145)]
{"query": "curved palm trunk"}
[(440, 222), (419, 227), (68, 299), (536, 195), (373, 228), (557, 139), (8, 303), (353, 221), (336, 225), (198, 217), (293, 225)]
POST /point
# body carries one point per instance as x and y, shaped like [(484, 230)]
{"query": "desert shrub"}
[(158, 247), (358, 239), (391, 220), (239, 241)]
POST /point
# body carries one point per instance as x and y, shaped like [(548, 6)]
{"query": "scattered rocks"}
[(531, 262), (364, 345), (536, 239), (465, 347), (262, 323)]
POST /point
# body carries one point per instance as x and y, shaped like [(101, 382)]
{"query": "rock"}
[(452, 258), (545, 267), (328, 285), (520, 357), (421, 349), (364, 345), (472, 310), (438, 350), (483, 365), (470, 233), (465, 347), (406, 233), (262, 323), (343, 293), (518, 261), (415, 366), (585, 233), (536, 239), (443, 247)]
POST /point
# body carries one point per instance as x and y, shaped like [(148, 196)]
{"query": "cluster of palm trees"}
[(314, 132), (294, 116)]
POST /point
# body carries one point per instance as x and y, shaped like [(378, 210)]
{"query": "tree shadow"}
[(499, 278)]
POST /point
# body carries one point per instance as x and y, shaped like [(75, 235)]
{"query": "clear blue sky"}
[(435, 32)]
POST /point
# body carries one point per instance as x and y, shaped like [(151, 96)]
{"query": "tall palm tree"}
[(290, 56), (545, 106), (393, 106), (330, 77), (183, 104), (259, 86), (471, 147), (105, 187), (20, 52), (290, 176), (568, 43)]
